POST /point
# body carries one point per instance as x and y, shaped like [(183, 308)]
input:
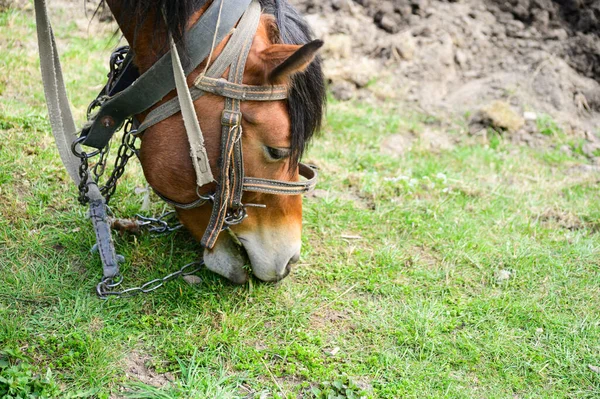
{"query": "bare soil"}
[(460, 56)]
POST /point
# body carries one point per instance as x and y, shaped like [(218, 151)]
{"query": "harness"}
[(127, 93)]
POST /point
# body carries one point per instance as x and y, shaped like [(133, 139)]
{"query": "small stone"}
[(339, 5), (558, 34), (405, 45), (334, 351), (461, 58), (595, 369), (538, 331), (530, 116), (503, 275), (192, 279), (566, 149), (499, 115)]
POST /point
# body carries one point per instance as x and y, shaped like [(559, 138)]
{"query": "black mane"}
[(307, 96)]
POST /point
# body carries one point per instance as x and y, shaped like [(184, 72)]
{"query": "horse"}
[(275, 133)]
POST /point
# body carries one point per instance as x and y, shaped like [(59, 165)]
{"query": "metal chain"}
[(83, 182), (160, 224), (100, 166), (126, 150), (106, 287)]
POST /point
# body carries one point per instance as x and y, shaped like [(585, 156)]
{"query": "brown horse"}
[(275, 133)]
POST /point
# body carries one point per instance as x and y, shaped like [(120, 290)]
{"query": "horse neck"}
[(149, 40)]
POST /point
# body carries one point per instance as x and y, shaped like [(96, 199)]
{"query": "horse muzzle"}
[(270, 256)]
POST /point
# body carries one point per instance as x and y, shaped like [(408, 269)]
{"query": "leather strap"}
[(265, 186), (158, 81), (63, 129), (279, 187), (229, 187), (190, 120), (224, 88)]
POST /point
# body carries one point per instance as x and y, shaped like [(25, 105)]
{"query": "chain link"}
[(159, 225), (83, 182), (126, 150), (106, 287)]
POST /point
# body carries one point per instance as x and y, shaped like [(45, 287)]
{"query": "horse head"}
[(273, 133)]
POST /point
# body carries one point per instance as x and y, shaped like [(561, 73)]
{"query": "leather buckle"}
[(231, 118)]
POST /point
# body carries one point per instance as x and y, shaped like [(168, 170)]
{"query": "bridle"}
[(128, 93)]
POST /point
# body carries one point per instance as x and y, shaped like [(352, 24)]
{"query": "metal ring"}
[(207, 197), (112, 283), (83, 154)]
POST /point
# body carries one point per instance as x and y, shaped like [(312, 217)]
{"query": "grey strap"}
[(230, 183), (61, 118), (282, 187), (192, 127), (158, 81), (242, 92), (106, 249), (63, 129)]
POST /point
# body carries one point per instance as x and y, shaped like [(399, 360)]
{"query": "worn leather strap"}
[(63, 129), (224, 88), (190, 120), (265, 186), (229, 187), (279, 187), (158, 81)]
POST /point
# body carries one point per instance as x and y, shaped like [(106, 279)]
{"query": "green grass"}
[(467, 272)]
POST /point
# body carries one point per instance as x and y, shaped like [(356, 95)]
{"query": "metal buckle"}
[(235, 216)]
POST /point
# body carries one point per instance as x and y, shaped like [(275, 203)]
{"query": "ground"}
[(446, 254), (454, 57)]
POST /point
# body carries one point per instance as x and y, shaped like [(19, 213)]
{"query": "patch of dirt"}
[(563, 219), (11, 4), (430, 139), (137, 367), (325, 318), (567, 220), (458, 56)]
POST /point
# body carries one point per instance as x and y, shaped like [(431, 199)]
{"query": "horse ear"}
[(284, 60)]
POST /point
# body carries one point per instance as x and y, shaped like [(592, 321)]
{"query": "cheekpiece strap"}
[(228, 196)]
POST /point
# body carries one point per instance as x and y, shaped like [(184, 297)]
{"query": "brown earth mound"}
[(462, 55)]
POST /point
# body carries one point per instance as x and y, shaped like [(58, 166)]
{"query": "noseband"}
[(227, 206)]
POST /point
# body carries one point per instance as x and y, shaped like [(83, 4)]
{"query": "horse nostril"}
[(294, 259), (286, 272)]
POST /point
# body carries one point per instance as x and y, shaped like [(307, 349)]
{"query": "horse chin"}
[(228, 259)]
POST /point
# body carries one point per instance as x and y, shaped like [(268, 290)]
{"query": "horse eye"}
[(277, 154)]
